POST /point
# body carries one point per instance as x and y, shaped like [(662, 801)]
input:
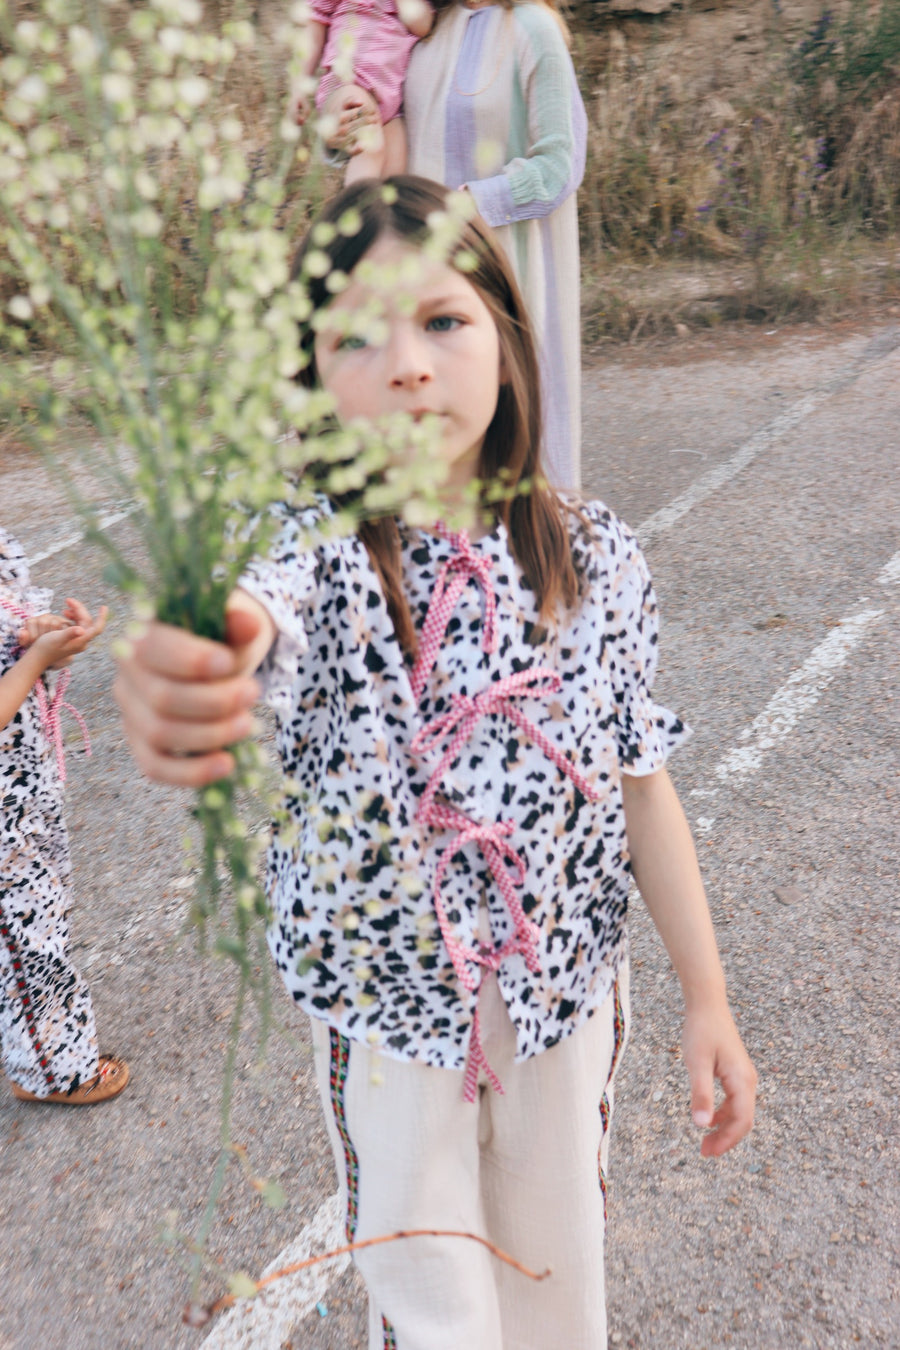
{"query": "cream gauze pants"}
[(525, 1169)]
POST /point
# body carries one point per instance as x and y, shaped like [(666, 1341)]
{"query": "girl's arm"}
[(665, 868), (48, 641), (539, 181), (184, 698), (19, 680)]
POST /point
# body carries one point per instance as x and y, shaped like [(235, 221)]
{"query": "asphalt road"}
[(762, 473)]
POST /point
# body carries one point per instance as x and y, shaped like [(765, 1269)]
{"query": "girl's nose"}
[(409, 365)]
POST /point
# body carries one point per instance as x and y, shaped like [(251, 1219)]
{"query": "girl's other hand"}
[(712, 1050), (57, 639), (55, 645), (184, 698), (37, 626)]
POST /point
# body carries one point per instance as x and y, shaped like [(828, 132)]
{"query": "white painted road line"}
[(267, 1321), (71, 540), (890, 573), (883, 346), (710, 482), (800, 692), (802, 689)]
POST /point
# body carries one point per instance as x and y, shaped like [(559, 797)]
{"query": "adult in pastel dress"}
[(492, 102)]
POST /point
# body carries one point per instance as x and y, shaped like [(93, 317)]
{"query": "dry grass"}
[(800, 166)]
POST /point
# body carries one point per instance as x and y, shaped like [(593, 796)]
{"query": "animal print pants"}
[(48, 1041)]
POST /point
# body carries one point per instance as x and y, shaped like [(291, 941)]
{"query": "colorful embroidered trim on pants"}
[(340, 1063), (340, 1060), (618, 1042)]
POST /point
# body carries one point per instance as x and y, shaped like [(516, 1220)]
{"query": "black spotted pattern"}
[(355, 934), (47, 1036)]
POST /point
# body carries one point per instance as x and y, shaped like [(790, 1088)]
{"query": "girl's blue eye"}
[(443, 323), (351, 344)]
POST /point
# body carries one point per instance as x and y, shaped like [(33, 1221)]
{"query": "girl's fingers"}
[(734, 1118), (97, 625), (194, 771), (172, 701), (702, 1097), (732, 1121), (179, 655), (184, 719), (184, 699), (78, 613)]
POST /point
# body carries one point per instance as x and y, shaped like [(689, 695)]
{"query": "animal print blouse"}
[(486, 776), (28, 776)]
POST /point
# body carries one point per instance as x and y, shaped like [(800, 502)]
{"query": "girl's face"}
[(434, 348)]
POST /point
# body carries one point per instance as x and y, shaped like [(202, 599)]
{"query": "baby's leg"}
[(394, 147), (357, 129)]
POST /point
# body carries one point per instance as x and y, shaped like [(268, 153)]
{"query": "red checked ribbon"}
[(454, 728), (50, 709), (451, 581)]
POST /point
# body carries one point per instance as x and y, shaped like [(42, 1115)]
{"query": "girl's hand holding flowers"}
[(184, 698)]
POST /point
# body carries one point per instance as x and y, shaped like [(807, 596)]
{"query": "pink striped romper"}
[(380, 46)]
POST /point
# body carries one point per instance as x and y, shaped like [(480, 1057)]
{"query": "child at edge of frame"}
[(48, 1040), (469, 705)]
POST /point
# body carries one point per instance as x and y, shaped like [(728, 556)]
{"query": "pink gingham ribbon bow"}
[(452, 729), (465, 712), (451, 581)]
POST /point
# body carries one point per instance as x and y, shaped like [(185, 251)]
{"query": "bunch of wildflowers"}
[(147, 290)]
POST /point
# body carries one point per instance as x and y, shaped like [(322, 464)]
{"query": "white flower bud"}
[(20, 307), (116, 88), (194, 90)]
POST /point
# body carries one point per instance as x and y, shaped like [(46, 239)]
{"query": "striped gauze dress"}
[(492, 102)]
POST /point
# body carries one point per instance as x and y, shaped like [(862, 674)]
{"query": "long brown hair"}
[(534, 515)]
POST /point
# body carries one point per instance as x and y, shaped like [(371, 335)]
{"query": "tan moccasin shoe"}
[(107, 1082)]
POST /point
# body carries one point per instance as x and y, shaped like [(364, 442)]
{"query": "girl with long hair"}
[(476, 768)]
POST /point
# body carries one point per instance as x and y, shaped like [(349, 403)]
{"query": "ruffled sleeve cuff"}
[(286, 584), (648, 734)]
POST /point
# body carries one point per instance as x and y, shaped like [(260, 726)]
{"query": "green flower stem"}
[(225, 1144)]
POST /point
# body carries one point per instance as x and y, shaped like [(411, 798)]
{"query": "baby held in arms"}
[(363, 48)]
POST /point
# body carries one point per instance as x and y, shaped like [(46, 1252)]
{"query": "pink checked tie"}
[(452, 729)]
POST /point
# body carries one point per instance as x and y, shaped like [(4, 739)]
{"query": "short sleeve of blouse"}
[(646, 732), (286, 584)]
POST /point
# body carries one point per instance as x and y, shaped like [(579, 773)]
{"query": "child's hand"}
[(184, 698), (713, 1049), (36, 626), (299, 107), (352, 119), (416, 16), (57, 639)]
